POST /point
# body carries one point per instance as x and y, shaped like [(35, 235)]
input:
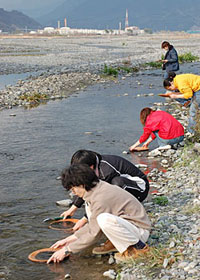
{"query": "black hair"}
[(87, 157), (171, 76), (79, 175), (166, 44), (167, 82)]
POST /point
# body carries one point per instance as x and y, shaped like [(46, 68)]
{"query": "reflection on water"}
[(36, 145)]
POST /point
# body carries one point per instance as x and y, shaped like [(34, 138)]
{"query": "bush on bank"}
[(127, 68)]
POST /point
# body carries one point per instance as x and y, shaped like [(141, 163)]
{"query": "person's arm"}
[(80, 223), (146, 144), (69, 212), (145, 136), (176, 95), (134, 146), (59, 255)]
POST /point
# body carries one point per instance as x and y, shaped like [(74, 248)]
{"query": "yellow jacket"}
[(187, 84)]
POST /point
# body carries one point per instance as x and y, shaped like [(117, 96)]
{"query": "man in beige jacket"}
[(110, 210)]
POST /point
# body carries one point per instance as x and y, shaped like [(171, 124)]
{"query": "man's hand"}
[(58, 256), (69, 212), (59, 243)]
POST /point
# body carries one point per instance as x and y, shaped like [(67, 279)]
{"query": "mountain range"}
[(173, 15), (15, 20), (106, 14)]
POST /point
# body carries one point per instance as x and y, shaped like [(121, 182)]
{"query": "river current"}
[(36, 144)]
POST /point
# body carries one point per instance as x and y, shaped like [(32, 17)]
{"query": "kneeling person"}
[(114, 170), (110, 210)]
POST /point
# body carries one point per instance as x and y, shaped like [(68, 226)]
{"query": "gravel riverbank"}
[(175, 215), (68, 64)]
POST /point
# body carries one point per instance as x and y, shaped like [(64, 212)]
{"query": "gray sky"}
[(28, 4)]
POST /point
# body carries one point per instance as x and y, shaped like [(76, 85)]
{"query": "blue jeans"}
[(164, 142), (195, 105), (182, 101)]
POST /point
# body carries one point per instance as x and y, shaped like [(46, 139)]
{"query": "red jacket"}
[(166, 125)]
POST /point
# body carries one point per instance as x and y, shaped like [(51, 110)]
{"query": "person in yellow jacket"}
[(185, 86)]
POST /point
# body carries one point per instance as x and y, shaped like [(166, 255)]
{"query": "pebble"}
[(67, 276), (64, 202), (111, 259), (154, 153), (165, 263), (110, 273), (125, 152), (172, 244)]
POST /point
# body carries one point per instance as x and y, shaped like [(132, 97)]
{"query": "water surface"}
[(36, 144)]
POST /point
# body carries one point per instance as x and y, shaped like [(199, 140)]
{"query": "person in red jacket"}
[(160, 125)]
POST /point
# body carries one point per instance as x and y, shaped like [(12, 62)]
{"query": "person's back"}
[(166, 125), (117, 202), (114, 170), (187, 84), (112, 165)]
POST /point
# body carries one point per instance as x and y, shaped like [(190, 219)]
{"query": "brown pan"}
[(73, 221), (140, 149), (165, 94), (33, 256)]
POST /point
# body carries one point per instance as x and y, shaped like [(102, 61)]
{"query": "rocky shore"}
[(174, 209), (44, 88), (62, 65)]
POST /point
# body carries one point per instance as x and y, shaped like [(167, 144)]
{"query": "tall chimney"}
[(65, 21), (126, 21), (120, 27), (58, 24)]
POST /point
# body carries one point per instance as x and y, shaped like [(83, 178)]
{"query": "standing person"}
[(111, 210), (160, 125), (185, 86), (170, 61), (114, 170)]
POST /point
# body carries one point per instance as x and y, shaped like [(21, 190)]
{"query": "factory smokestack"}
[(126, 20), (65, 22)]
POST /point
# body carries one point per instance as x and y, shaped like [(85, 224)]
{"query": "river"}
[(36, 144)]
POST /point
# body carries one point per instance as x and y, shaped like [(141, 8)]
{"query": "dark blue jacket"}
[(172, 57)]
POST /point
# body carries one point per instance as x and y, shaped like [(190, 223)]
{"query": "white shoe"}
[(166, 147)]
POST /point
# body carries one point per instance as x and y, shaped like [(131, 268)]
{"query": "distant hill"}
[(14, 20), (154, 14)]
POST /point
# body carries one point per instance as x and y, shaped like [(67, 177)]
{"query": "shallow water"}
[(11, 79), (36, 144)]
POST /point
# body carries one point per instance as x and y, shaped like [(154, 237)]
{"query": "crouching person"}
[(111, 211)]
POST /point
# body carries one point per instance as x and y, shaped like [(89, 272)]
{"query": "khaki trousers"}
[(120, 232)]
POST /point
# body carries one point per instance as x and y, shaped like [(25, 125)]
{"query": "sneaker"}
[(131, 253), (105, 248)]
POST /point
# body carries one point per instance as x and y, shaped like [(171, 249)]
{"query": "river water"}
[(36, 144)]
